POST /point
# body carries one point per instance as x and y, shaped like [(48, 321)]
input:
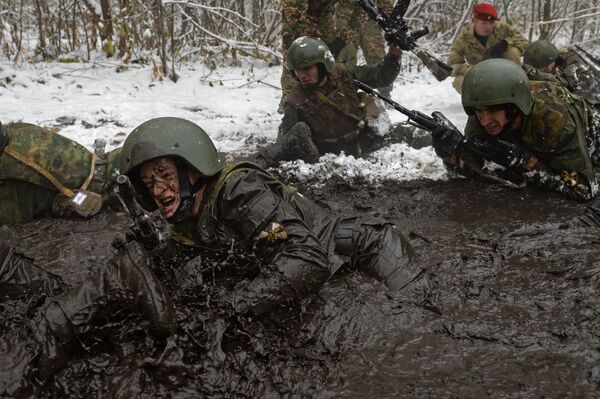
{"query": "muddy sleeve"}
[(379, 75), (578, 188), (256, 206)]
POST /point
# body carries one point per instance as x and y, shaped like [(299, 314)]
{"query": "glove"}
[(445, 141), (336, 46), (498, 49), (405, 42), (506, 153)]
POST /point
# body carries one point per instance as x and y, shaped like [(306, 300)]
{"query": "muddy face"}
[(162, 181)]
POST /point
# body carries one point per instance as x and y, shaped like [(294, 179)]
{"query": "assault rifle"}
[(142, 228), (397, 32), (502, 152)]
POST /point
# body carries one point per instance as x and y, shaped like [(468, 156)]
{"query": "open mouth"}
[(168, 205)]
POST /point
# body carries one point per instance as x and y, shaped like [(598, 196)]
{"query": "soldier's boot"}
[(125, 284), (20, 277), (296, 144), (379, 249)]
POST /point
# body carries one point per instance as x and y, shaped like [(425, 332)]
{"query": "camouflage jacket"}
[(336, 113), (556, 132), (307, 18), (246, 207), (25, 193), (467, 50), (571, 73)]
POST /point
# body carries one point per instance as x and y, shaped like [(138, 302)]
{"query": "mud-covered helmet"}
[(540, 54), (3, 137), (306, 51), (494, 82), (187, 142)]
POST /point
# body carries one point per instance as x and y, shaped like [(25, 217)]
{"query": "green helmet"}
[(3, 137), (164, 137), (306, 51), (540, 54), (496, 81)]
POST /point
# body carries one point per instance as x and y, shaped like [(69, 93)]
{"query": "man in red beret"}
[(486, 37)]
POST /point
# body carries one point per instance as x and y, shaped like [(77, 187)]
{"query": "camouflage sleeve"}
[(296, 21), (572, 186), (515, 38), (255, 205), (456, 58), (290, 118), (344, 11), (380, 75)]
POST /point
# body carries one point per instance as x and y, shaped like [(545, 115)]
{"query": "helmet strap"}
[(512, 113), (322, 74), (187, 192)]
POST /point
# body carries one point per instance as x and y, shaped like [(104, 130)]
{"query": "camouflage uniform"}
[(559, 132), (24, 193), (305, 18), (467, 50), (571, 72), (357, 30), (247, 206), (337, 116)]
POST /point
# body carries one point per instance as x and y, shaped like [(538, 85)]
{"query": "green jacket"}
[(467, 50), (337, 113), (24, 193), (555, 131)]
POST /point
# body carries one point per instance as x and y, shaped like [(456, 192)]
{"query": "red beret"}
[(485, 11)]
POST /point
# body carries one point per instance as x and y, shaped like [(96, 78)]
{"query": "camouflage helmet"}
[(164, 137), (306, 51), (3, 137), (494, 82), (540, 54)]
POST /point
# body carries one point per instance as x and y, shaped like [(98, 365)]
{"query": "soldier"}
[(44, 344), (543, 61), (173, 165), (357, 30), (306, 18), (43, 173), (485, 38), (324, 111), (545, 126)]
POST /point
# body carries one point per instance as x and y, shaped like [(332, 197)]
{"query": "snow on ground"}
[(235, 106)]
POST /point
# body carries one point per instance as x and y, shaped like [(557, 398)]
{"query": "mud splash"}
[(508, 316)]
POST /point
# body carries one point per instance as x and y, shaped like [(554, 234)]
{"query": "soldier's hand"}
[(445, 141), (395, 50)]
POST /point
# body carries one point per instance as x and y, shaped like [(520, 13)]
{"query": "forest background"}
[(169, 33)]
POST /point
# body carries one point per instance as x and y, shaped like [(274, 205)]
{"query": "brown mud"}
[(508, 317)]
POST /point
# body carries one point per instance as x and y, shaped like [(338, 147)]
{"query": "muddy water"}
[(508, 317)]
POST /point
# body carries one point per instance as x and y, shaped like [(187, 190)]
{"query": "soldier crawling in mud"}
[(552, 133), (43, 173), (324, 111), (486, 37), (174, 166), (543, 61)]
